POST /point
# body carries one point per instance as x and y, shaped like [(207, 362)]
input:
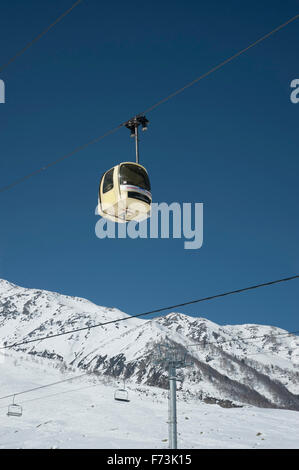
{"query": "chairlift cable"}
[(152, 312), (90, 373), (243, 339), (45, 386), (39, 36), (154, 106)]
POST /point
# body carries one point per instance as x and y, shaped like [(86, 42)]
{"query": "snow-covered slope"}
[(246, 364), (83, 414)]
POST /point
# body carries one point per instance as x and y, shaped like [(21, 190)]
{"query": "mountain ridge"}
[(242, 364)]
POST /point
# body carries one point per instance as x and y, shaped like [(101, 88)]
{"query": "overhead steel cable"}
[(44, 386), (151, 312), (219, 343), (184, 345), (167, 98), (266, 353), (39, 36), (54, 394), (239, 355), (221, 64), (64, 157)]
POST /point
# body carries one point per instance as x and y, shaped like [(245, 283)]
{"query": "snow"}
[(230, 366), (83, 414)]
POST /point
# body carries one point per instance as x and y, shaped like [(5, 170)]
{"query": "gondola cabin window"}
[(108, 181), (134, 175)]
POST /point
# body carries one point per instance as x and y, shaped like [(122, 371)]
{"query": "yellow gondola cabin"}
[(125, 193)]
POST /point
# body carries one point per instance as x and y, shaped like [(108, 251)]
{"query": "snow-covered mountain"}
[(232, 364), (83, 414)]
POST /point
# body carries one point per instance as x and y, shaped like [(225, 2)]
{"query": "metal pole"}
[(169, 415), (173, 360), (137, 144), (172, 408)]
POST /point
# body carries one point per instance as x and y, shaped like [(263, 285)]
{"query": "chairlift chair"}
[(121, 395), (14, 409)]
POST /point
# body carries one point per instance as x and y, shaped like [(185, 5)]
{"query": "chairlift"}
[(121, 394), (125, 190), (14, 409)]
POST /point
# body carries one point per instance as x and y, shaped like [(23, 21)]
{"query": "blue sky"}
[(230, 142)]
